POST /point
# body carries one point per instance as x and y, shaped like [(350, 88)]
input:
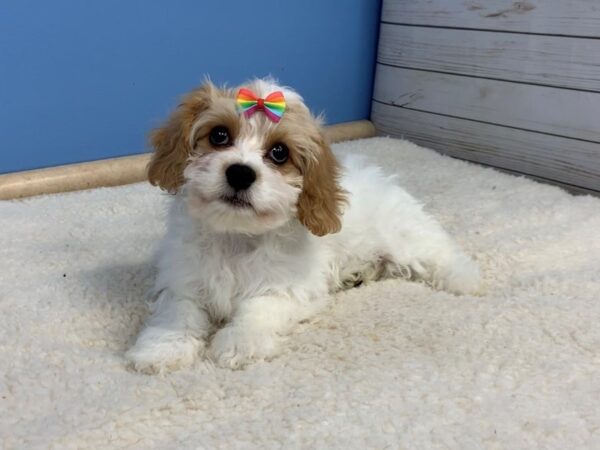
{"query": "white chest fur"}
[(220, 270)]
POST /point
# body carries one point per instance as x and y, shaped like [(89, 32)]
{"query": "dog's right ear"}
[(171, 141)]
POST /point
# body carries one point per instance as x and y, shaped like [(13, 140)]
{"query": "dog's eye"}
[(279, 154), (219, 136)]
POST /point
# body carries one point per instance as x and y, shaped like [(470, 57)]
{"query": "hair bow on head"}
[(273, 105)]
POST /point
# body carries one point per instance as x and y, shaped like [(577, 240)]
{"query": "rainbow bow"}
[(273, 105)]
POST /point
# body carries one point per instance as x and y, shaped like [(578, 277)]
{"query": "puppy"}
[(265, 224)]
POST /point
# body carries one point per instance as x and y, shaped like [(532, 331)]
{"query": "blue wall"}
[(85, 80)]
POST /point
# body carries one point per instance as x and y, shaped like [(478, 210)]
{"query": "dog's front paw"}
[(236, 346), (164, 354)]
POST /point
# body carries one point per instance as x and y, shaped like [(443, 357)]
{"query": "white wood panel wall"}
[(512, 84), (553, 17)]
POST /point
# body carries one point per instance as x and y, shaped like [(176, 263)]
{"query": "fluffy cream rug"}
[(390, 365)]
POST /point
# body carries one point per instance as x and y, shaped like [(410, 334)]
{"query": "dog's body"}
[(259, 275)]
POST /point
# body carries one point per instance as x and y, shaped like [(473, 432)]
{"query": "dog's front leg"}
[(257, 328), (174, 336)]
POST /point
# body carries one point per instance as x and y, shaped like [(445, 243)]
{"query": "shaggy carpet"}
[(391, 365)]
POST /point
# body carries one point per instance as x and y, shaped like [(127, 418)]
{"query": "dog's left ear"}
[(322, 199)]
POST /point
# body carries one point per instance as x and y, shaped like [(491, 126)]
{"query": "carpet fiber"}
[(389, 365)]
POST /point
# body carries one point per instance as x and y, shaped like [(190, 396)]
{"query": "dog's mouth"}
[(236, 201)]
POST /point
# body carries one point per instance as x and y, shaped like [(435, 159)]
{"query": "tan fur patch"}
[(171, 141), (322, 199), (222, 112)]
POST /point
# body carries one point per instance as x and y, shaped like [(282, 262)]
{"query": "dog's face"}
[(248, 174)]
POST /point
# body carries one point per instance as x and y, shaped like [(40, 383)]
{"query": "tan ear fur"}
[(322, 199), (171, 142)]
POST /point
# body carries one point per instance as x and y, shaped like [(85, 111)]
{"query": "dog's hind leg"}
[(423, 250)]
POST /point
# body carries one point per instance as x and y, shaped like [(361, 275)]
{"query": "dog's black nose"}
[(240, 177)]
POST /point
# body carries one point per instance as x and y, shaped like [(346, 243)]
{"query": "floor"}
[(389, 365)]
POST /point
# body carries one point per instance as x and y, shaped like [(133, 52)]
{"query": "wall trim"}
[(124, 170)]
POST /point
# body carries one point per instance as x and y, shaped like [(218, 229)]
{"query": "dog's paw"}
[(164, 355), (460, 277), (235, 346)]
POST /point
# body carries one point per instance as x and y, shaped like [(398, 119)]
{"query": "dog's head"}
[(248, 173)]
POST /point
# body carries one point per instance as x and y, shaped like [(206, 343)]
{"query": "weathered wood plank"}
[(547, 60), (561, 159), (569, 113), (565, 17)]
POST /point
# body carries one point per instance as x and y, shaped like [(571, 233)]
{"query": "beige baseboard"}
[(119, 171)]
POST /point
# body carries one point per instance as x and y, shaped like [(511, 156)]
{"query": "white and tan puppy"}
[(265, 224)]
